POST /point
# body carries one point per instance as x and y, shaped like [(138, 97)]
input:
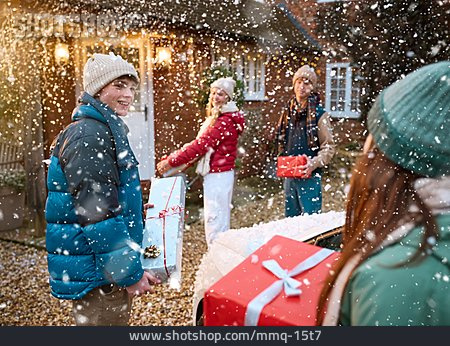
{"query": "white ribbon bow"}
[(290, 285)]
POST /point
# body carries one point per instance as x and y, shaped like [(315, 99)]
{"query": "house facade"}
[(341, 84), (171, 43)]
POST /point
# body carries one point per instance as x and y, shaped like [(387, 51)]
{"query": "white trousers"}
[(217, 194)]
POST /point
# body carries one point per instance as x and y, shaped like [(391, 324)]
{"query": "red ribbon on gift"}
[(162, 215)]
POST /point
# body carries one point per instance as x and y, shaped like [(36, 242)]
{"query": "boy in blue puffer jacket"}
[(94, 204)]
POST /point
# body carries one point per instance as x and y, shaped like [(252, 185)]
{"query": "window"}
[(249, 68), (343, 90)]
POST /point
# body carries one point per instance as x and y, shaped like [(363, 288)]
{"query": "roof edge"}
[(283, 7)]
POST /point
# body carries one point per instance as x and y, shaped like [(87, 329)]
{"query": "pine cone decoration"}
[(151, 251)]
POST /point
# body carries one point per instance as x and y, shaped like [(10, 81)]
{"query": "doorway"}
[(140, 119)]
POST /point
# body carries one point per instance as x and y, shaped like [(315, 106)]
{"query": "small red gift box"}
[(289, 166), (265, 289)]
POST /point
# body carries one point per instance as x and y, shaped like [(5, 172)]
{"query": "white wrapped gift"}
[(162, 242)]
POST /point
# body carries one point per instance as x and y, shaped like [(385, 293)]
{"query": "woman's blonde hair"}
[(209, 106)]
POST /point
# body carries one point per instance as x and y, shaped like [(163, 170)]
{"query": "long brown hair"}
[(381, 199)]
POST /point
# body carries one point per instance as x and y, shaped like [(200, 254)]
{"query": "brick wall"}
[(346, 131), (177, 118), (58, 95), (263, 116)]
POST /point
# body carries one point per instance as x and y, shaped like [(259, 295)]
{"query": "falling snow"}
[(38, 95)]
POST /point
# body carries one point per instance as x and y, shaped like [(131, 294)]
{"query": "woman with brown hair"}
[(394, 268)]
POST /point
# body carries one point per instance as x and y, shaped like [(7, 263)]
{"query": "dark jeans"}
[(303, 196)]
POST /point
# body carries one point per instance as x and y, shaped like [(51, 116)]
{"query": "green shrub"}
[(353, 146), (13, 178), (209, 75)]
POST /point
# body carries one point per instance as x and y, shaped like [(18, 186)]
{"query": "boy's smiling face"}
[(119, 94)]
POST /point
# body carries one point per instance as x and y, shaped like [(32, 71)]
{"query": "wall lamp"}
[(163, 56), (62, 53)]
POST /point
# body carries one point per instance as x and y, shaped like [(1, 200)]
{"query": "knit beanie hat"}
[(226, 84), (410, 121), (102, 69), (305, 72)]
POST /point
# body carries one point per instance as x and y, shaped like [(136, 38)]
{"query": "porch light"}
[(62, 53), (163, 56)]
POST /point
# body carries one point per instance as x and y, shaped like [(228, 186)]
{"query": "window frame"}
[(349, 87), (238, 67)]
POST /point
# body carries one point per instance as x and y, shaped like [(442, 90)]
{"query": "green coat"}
[(412, 295)]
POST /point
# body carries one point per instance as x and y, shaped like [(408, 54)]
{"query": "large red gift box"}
[(289, 166), (244, 296)]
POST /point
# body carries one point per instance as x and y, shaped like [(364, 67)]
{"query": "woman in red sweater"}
[(216, 149)]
